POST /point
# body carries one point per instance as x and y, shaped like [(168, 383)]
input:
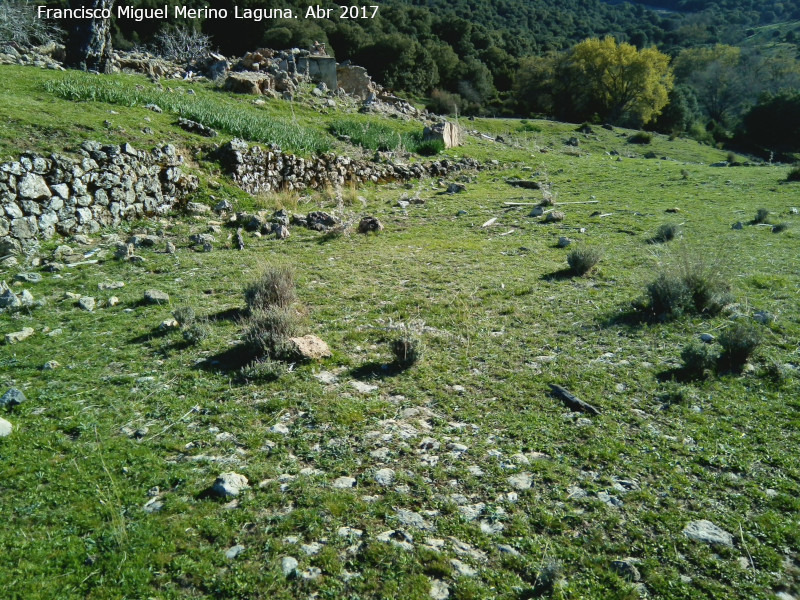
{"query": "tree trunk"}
[(89, 42)]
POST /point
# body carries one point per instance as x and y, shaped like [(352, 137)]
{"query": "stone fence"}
[(102, 186), (256, 169)]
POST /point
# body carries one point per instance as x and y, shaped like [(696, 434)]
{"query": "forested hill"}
[(745, 11)]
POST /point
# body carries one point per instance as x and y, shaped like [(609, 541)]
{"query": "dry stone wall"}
[(256, 169), (105, 184)]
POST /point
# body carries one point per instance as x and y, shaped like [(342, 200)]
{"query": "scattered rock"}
[(439, 590), (195, 127), (326, 377), (463, 569), (707, 338), (344, 482), (363, 388), (5, 428), (410, 518), (155, 297), (197, 208), (563, 242), (18, 336), (626, 568), (13, 397), (369, 225), (28, 277), (708, 533), (289, 565), (385, 477), (87, 303), (309, 347), (554, 217), (521, 481), (51, 365), (234, 551), (456, 188), (229, 485), (737, 225)]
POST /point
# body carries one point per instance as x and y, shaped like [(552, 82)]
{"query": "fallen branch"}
[(572, 401)]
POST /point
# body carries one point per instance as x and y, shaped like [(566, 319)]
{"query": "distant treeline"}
[(476, 57)]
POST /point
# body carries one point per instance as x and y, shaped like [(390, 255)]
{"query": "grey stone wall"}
[(105, 184), (256, 169)]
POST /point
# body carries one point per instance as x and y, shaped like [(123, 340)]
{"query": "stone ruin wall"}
[(256, 169), (106, 184)]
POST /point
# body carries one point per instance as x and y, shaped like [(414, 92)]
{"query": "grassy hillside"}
[(497, 490)]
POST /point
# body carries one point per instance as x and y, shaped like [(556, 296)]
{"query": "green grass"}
[(375, 136), (249, 124), (496, 319)]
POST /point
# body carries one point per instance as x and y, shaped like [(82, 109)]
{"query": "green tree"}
[(717, 76), (625, 84)]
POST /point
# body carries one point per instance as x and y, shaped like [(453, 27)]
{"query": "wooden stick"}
[(571, 400)]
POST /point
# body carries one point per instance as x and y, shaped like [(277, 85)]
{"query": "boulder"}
[(13, 397), (33, 187), (309, 347), (369, 224), (155, 297), (248, 83), (448, 133), (229, 485), (18, 336)]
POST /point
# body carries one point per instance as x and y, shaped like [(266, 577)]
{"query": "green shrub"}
[(445, 103), (184, 315), (641, 137), (196, 333), (794, 174), (674, 393), (762, 214), (267, 331), (274, 287), (739, 341), (699, 359), (666, 233), (407, 350), (582, 260), (429, 147), (692, 286), (263, 370)]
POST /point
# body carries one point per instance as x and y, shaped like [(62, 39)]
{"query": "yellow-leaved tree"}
[(622, 83)]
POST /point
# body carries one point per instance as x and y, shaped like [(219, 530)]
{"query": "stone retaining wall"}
[(256, 169), (104, 185)]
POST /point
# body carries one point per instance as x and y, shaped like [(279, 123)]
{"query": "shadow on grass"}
[(559, 275), (229, 314), (153, 334), (375, 370), (231, 359)]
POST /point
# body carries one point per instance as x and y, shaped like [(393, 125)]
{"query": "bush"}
[(182, 44), (445, 103), (642, 137), (699, 359), (429, 147), (184, 315), (274, 288), (780, 227), (762, 214), (666, 233), (693, 286), (19, 23), (794, 174), (407, 350), (582, 260), (196, 333), (738, 342), (263, 370), (267, 331)]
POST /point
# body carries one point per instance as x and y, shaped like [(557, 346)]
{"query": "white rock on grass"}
[(229, 485), (18, 336), (87, 303), (708, 533), (5, 428), (289, 565), (439, 590), (234, 551), (521, 481), (344, 482), (463, 568), (363, 388), (385, 477)]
